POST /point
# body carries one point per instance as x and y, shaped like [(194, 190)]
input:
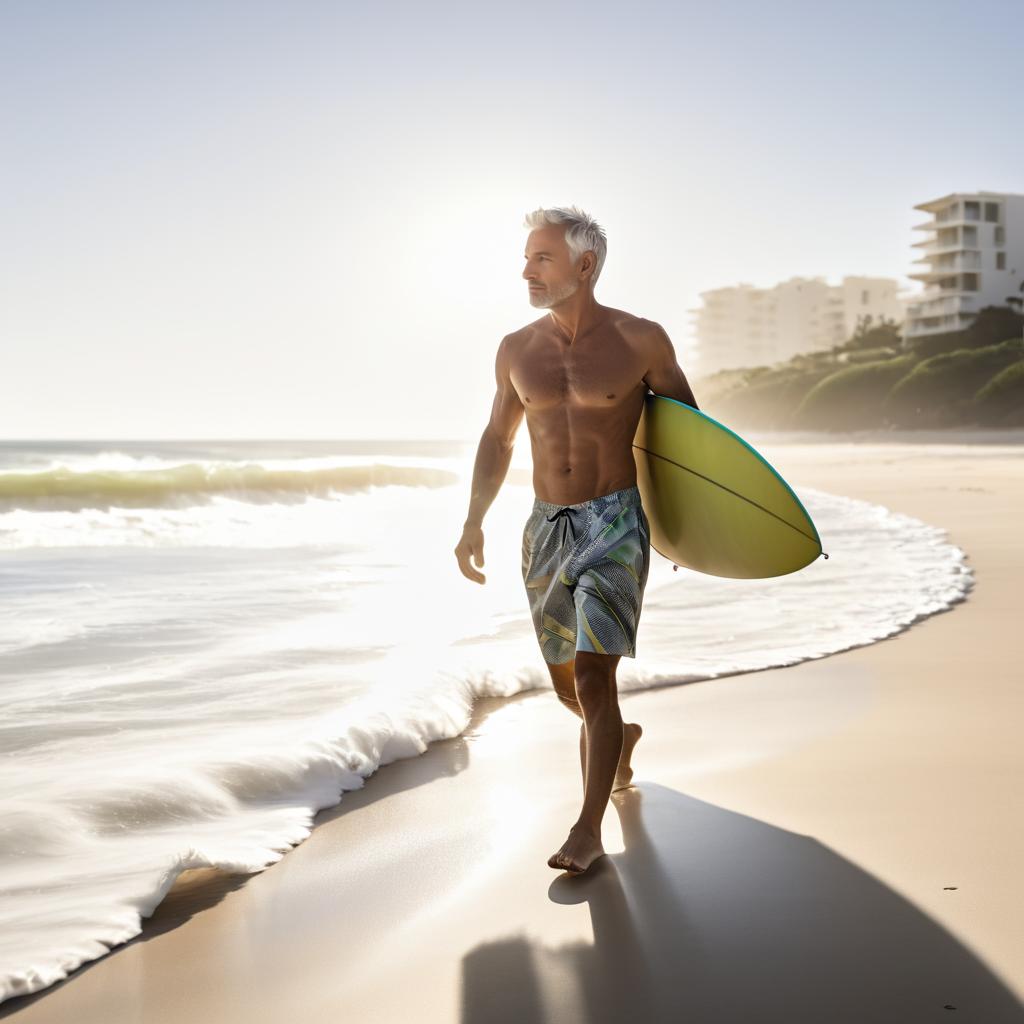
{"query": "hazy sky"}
[(304, 219)]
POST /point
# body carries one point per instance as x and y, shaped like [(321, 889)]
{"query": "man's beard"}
[(548, 298)]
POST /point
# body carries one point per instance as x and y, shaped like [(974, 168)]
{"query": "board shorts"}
[(585, 567)]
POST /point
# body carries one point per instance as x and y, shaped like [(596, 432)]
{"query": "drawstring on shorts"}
[(568, 520)]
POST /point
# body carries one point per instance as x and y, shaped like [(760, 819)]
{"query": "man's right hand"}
[(471, 543)]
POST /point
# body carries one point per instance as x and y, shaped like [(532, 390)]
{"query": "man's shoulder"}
[(521, 334), (635, 328), (630, 321)]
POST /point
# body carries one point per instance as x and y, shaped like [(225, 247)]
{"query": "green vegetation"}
[(768, 397), (848, 398), (1000, 403), (940, 390), (970, 377)]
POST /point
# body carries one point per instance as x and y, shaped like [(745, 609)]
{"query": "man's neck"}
[(579, 315)]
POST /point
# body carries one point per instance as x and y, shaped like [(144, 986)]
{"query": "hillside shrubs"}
[(851, 398), (940, 390), (1000, 401)]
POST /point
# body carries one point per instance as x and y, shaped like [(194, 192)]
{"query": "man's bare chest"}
[(596, 371)]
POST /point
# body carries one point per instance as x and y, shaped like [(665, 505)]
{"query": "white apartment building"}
[(747, 326), (973, 257)]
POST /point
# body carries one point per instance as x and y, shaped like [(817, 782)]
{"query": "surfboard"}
[(714, 503)]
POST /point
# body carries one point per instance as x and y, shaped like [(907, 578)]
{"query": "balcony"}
[(937, 324), (943, 266), (932, 305), (949, 224), (937, 225), (934, 325), (933, 246), (958, 261)]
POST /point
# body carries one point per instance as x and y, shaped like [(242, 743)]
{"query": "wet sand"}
[(836, 841)]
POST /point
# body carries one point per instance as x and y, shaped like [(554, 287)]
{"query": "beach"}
[(837, 840)]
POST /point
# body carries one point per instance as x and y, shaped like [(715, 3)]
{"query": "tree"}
[(992, 325), (868, 334), (1016, 300)]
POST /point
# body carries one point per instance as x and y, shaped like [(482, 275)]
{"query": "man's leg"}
[(598, 698), (564, 678)]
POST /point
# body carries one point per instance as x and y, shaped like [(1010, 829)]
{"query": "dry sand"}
[(841, 840)]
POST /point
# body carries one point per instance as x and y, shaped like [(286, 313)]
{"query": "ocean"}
[(204, 643)]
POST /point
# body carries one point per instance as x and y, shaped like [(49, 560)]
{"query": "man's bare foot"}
[(631, 733), (578, 852)]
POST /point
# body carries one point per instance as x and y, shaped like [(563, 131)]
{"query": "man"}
[(579, 374)]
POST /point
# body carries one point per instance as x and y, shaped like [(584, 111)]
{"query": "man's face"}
[(549, 271)]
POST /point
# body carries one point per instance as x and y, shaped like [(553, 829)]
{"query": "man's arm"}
[(492, 461), (664, 376)]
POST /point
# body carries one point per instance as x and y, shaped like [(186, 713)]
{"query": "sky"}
[(305, 219)]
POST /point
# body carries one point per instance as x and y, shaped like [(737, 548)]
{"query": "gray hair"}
[(582, 232)]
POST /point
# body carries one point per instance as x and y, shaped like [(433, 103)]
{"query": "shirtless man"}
[(580, 374)]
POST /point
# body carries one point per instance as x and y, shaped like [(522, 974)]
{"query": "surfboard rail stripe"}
[(695, 514), (750, 501), (651, 395)]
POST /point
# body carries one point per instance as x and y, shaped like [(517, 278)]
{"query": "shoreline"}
[(951, 435), (790, 817)]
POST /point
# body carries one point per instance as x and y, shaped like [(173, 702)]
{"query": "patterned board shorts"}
[(585, 568)]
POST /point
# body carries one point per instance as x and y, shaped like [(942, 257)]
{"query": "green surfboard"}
[(714, 504)]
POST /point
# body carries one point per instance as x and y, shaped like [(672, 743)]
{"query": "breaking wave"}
[(69, 490)]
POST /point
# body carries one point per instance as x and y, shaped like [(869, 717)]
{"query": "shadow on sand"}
[(712, 916)]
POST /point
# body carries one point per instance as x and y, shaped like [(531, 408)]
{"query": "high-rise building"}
[(972, 258), (747, 326)]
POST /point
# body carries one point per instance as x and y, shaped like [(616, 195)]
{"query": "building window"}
[(863, 298), (992, 211), (972, 211), (1000, 261), (970, 282), (1000, 235)]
